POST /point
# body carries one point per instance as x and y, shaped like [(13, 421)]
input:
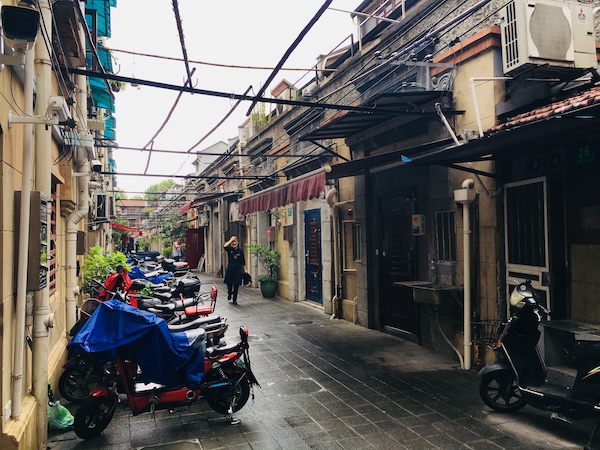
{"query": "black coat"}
[(235, 265)]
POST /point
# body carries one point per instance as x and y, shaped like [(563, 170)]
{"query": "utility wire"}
[(199, 177), (151, 141), (279, 101), (213, 64), (289, 52), (181, 152), (182, 41), (220, 122)]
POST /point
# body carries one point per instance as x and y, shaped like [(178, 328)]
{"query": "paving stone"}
[(330, 384)]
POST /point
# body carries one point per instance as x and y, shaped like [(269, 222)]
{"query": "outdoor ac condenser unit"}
[(203, 219), (550, 32)]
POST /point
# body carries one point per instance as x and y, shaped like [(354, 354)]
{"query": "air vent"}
[(548, 33)]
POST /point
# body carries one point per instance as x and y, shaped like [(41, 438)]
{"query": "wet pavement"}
[(330, 384)]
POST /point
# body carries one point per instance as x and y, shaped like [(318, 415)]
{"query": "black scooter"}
[(518, 376)]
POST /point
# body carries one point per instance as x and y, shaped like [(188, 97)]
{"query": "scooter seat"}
[(583, 350), (198, 309), (176, 305), (146, 303)]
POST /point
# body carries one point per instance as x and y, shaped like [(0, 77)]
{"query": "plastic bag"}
[(59, 417)]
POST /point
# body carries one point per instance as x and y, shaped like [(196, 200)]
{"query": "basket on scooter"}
[(88, 307), (85, 312)]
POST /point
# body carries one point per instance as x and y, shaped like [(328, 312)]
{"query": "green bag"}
[(59, 417)]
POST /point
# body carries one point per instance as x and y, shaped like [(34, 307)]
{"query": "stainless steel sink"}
[(431, 293)]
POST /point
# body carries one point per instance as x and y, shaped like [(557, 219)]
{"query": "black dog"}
[(246, 279)]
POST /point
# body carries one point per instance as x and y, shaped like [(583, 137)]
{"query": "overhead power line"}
[(278, 101), (289, 51), (206, 63), (181, 152), (199, 177)]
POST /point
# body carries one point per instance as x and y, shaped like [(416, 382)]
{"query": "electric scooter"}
[(518, 376), (158, 369)]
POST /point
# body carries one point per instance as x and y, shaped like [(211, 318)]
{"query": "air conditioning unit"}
[(234, 214), (549, 32), (203, 219)]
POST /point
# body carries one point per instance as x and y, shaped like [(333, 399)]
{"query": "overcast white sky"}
[(236, 32)]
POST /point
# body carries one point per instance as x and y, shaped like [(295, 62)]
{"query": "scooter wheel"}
[(499, 391), (93, 416), (76, 384), (240, 391)]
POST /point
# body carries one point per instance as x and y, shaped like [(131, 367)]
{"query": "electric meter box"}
[(37, 260)]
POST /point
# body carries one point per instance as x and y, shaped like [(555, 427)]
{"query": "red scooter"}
[(223, 376)]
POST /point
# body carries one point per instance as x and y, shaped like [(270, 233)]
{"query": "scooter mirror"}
[(244, 333)]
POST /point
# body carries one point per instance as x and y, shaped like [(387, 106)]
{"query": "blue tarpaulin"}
[(136, 273), (116, 328)]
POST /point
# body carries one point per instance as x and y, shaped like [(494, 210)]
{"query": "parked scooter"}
[(157, 369), (518, 376), (179, 312), (82, 374), (177, 268)]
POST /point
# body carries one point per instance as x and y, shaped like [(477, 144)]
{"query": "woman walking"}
[(236, 267)]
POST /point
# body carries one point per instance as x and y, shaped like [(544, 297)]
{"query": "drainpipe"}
[(71, 238), (466, 196), (330, 197), (474, 93), (42, 315), (81, 158), (21, 307)]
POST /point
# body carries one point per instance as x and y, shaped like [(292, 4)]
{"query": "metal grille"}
[(446, 235), (526, 225), (511, 47)]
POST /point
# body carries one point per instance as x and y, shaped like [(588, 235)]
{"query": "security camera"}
[(20, 27), (96, 165), (57, 108)]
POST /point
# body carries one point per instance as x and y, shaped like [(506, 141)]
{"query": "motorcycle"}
[(518, 376), (158, 369)]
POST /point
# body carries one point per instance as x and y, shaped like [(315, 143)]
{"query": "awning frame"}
[(303, 187)]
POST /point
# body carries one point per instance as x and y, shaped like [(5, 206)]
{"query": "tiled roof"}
[(129, 203), (580, 100)]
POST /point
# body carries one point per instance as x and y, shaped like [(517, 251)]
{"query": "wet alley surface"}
[(329, 384)]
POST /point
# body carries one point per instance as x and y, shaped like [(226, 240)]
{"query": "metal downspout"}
[(330, 197), (71, 238), (42, 317), (82, 202), (21, 307), (465, 196)]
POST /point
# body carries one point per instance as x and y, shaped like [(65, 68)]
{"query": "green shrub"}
[(98, 265)]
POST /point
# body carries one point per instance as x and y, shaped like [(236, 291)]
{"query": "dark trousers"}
[(232, 289)]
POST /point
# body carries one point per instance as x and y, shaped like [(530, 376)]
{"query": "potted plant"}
[(269, 259), (116, 86)]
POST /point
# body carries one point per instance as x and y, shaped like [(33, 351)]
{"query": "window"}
[(52, 255), (446, 235), (356, 242)]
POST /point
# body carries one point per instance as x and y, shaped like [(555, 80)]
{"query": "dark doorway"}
[(312, 250), (397, 261), (194, 246)]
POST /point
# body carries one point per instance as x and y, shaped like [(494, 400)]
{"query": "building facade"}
[(432, 171), (50, 123)]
